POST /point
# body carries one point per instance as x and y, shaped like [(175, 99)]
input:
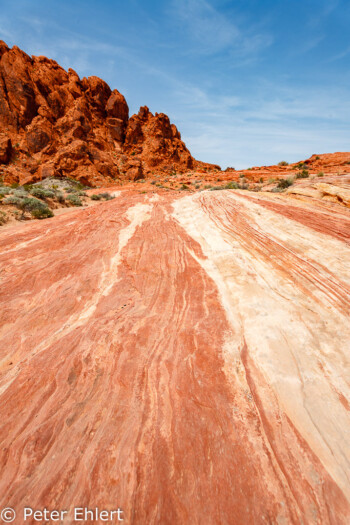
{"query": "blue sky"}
[(247, 82)]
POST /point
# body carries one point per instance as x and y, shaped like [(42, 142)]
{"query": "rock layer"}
[(54, 123), (186, 360)]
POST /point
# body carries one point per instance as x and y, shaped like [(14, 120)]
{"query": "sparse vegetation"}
[(283, 163), (231, 186), (12, 200), (284, 183), (42, 213), (320, 174), (95, 197), (3, 218), (303, 174), (42, 193), (35, 207), (74, 200)]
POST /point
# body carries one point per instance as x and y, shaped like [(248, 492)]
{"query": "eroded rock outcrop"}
[(54, 123)]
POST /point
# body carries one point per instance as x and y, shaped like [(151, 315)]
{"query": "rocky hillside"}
[(52, 123)]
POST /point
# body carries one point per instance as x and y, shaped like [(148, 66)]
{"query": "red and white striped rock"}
[(186, 360)]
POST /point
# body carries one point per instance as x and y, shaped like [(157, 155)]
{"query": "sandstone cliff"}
[(52, 123)]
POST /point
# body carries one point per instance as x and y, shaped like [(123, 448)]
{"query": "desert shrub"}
[(317, 158), (42, 213), (153, 182), (231, 186), (284, 183), (38, 209), (283, 163), (95, 197), (184, 187), (42, 193), (14, 185), (5, 190), (301, 166), (207, 186), (106, 196), (303, 174), (320, 174), (20, 193), (74, 200), (12, 200), (60, 197), (261, 180), (241, 175), (30, 204), (216, 188), (78, 185), (3, 218)]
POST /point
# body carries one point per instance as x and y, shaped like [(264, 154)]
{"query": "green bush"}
[(5, 190), (320, 174), (284, 183), (74, 200), (42, 193), (20, 193), (95, 197), (304, 174), (42, 213), (60, 197), (12, 200), (283, 163), (231, 186), (108, 196), (3, 218)]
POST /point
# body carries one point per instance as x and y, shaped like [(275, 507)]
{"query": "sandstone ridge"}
[(52, 123)]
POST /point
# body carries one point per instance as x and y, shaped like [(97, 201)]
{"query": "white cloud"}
[(213, 32)]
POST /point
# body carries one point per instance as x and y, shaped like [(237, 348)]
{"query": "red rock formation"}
[(54, 123)]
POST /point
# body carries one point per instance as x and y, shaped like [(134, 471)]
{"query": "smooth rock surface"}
[(184, 359)]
